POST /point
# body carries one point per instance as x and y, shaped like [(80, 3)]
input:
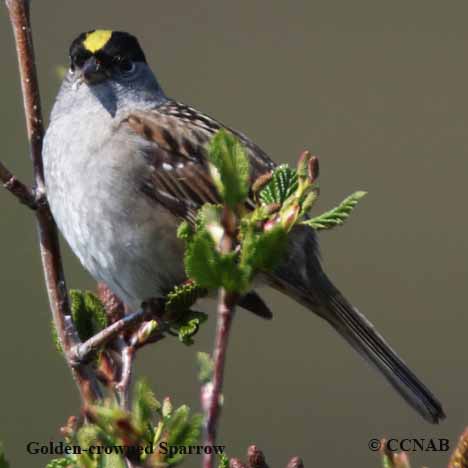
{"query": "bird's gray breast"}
[(93, 169)]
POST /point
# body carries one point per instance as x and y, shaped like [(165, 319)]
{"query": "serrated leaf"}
[(144, 405), (58, 463), (263, 250), (96, 309), (185, 231), (210, 269), (183, 430), (182, 297), (88, 313), (233, 276), (281, 186), (209, 218), (202, 260), (223, 461), (232, 171), (205, 367), (189, 325), (88, 435), (336, 216)]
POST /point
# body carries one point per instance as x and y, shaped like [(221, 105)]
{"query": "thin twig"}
[(82, 350), (122, 387), (48, 237), (21, 191), (226, 308), (211, 392)]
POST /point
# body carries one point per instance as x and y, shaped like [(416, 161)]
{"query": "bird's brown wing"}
[(178, 175)]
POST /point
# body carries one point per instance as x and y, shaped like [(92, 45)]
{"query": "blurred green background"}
[(379, 91)]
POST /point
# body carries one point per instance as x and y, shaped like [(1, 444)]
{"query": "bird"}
[(124, 165)]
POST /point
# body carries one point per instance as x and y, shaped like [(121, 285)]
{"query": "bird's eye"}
[(127, 67)]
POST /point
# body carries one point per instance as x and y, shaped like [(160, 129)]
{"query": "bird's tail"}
[(301, 277)]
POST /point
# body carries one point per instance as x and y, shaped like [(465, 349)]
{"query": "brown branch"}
[(122, 387), (256, 459), (83, 350), (21, 191), (211, 392), (48, 237)]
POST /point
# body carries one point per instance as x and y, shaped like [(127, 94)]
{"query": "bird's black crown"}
[(108, 46)]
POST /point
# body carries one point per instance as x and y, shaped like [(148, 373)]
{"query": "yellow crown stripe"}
[(96, 40)]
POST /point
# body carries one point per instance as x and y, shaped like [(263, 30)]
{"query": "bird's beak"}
[(93, 72)]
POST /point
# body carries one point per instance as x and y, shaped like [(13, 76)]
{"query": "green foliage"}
[(182, 297), (262, 250), (202, 260), (88, 313), (188, 325), (184, 430), (184, 231), (3, 461), (231, 168), (284, 198), (205, 367), (60, 463), (208, 267), (111, 460), (336, 216), (282, 185), (147, 425), (144, 406), (223, 461)]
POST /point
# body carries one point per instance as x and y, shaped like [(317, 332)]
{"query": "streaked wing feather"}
[(178, 172)]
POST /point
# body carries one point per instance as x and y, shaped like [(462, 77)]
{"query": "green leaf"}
[(205, 367), (144, 405), (182, 297), (96, 309), (202, 260), (208, 268), (263, 250), (3, 461), (233, 276), (59, 463), (189, 325), (223, 461), (282, 185), (88, 435), (338, 215), (184, 231), (183, 430), (209, 218), (167, 408), (88, 313), (232, 171), (112, 460)]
